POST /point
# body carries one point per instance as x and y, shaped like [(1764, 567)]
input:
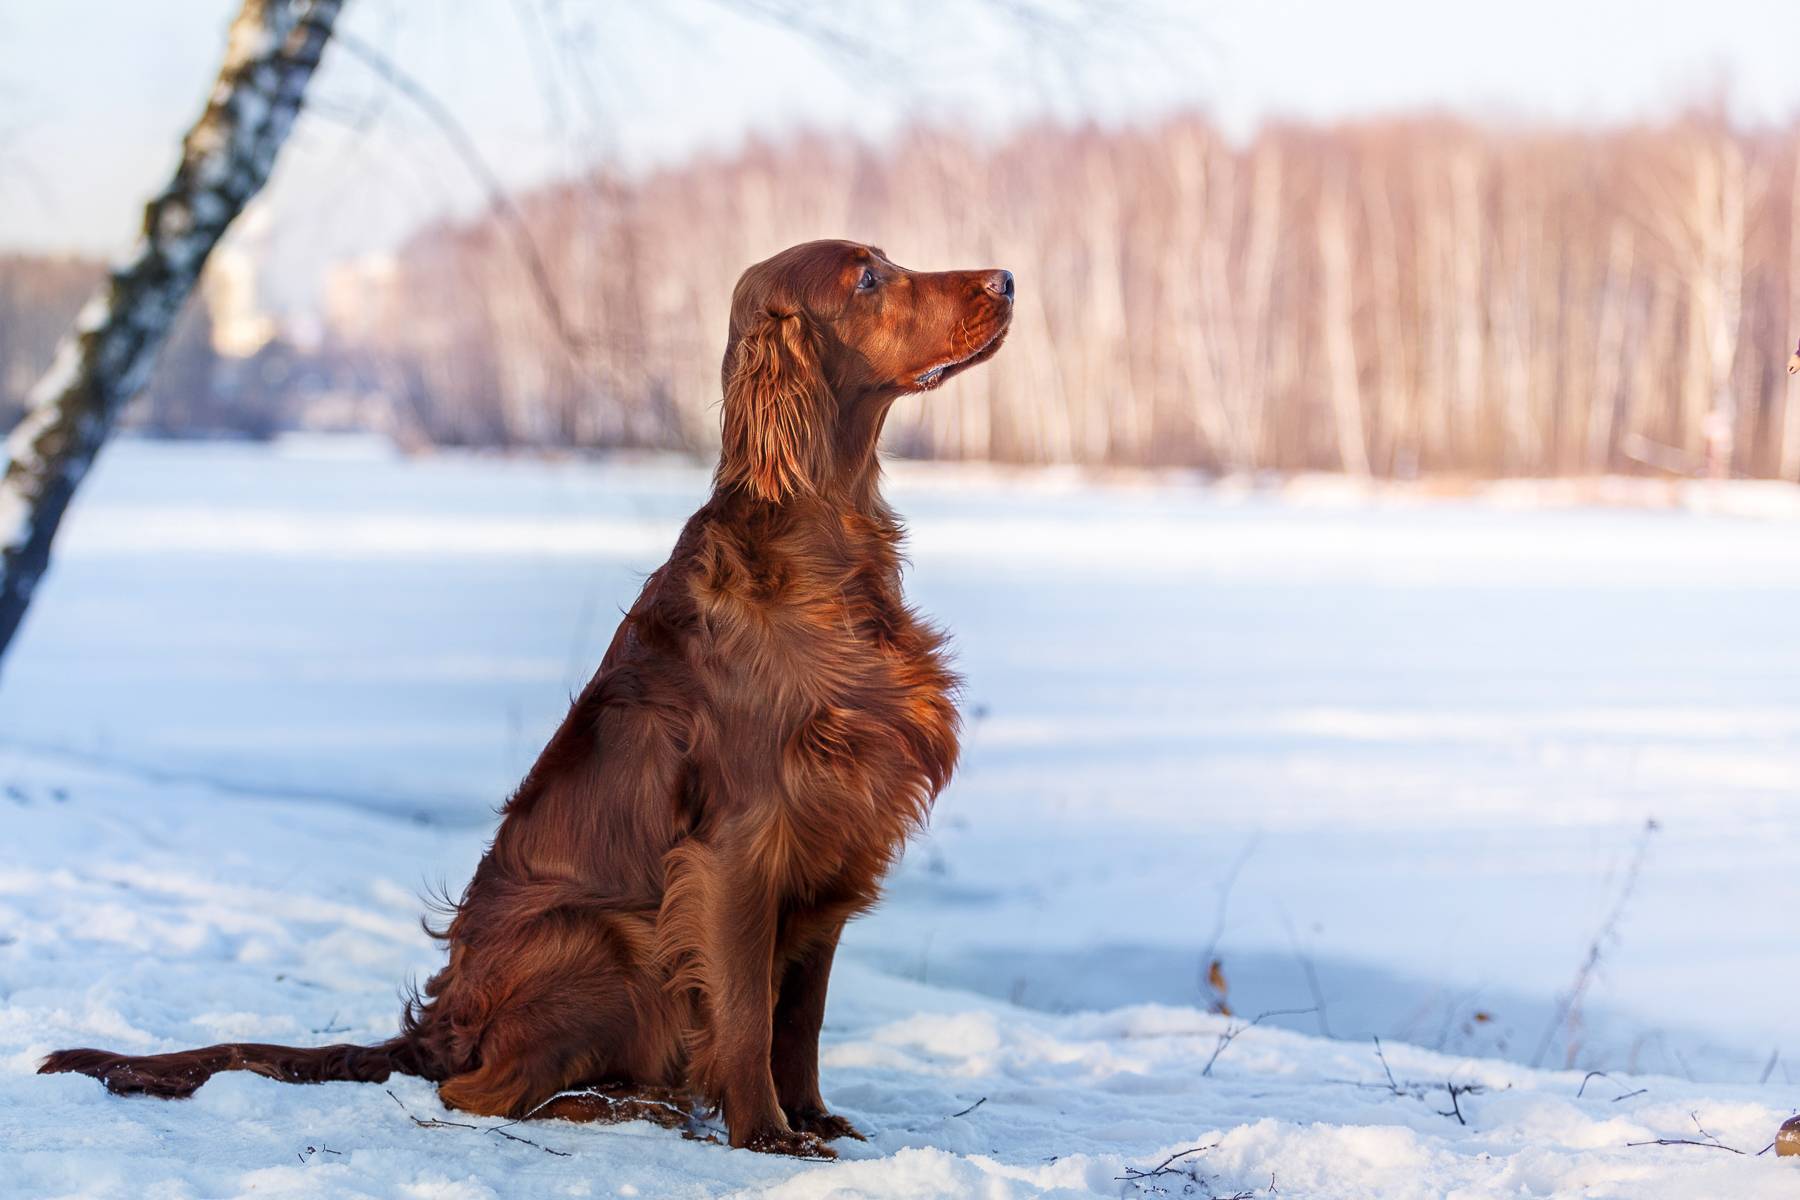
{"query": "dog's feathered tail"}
[(176, 1075)]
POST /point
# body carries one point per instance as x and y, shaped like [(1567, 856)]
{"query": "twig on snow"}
[(965, 1112), (1686, 1142), (332, 1026), (440, 1123), (1166, 1166), (1593, 1075), (1711, 1141), (426, 1122), (1456, 1090), (1711, 1137), (1392, 1086), (1418, 1091), (513, 1137), (1589, 1078), (1232, 1031)]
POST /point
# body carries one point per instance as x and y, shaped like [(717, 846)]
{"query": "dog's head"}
[(824, 336)]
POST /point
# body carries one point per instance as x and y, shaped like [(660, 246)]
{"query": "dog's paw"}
[(791, 1142), (827, 1125)]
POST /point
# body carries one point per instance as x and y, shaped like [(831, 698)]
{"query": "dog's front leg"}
[(799, 1013), (738, 919)]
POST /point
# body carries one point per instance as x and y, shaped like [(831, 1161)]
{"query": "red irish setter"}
[(657, 915)]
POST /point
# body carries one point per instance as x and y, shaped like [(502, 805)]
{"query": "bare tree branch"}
[(498, 198)]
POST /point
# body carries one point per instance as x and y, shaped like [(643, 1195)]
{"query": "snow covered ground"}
[(1387, 760)]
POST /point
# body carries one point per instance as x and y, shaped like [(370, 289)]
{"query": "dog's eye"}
[(867, 282)]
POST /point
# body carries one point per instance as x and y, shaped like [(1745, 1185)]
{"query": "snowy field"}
[(1391, 762)]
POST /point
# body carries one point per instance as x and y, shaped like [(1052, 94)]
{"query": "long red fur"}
[(659, 908)]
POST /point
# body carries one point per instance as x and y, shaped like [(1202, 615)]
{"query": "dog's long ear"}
[(776, 440)]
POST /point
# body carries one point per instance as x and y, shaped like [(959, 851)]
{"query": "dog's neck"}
[(851, 471), (856, 459)]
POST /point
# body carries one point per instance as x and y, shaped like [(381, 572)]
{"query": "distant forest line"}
[(1391, 298)]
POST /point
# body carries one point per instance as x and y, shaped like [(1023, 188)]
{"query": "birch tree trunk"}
[(1609, 364), (273, 47), (1787, 465), (1724, 289), (1337, 312)]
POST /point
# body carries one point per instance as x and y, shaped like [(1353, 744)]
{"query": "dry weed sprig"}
[(1232, 1031), (1568, 1008)]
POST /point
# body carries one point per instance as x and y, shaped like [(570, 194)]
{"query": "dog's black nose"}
[(1000, 283)]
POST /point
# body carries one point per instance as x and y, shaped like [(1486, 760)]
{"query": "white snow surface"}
[(1388, 761)]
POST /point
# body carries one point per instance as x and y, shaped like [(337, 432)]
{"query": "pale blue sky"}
[(94, 93)]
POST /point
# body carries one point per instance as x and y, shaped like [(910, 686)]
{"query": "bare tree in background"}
[(1399, 297), (1336, 316), (226, 158)]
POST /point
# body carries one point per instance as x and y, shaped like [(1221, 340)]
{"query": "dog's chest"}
[(876, 695), (849, 701), (813, 657)]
